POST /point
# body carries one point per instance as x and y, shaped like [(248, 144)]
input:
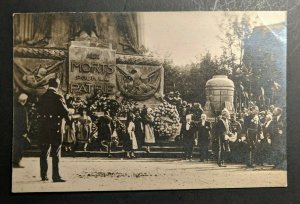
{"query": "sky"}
[(183, 36)]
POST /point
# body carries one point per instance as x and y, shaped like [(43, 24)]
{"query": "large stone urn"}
[(219, 95)]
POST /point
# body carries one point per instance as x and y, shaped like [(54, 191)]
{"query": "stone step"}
[(115, 154)]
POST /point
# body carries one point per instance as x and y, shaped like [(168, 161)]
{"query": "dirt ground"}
[(103, 174)]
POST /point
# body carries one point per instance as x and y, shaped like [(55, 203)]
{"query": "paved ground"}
[(102, 174)]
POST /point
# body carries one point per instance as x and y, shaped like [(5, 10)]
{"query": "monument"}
[(91, 69), (219, 95)]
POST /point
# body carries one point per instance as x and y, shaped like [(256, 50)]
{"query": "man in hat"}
[(20, 129), (252, 128), (52, 109), (187, 132)]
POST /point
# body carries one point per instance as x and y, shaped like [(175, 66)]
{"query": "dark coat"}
[(278, 138), (269, 131), (197, 112), (105, 127), (188, 135), (204, 132), (222, 129), (51, 109), (20, 120), (249, 124), (139, 130)]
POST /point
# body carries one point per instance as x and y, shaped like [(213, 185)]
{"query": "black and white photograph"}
[(130, 101)]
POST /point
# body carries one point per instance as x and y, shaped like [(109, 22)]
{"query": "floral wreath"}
[(166, 119)]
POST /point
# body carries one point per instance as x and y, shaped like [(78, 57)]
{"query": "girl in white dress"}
[(130, 144)]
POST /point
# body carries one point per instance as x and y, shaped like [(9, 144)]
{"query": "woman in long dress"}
[(130, 143), (149, 132), (68, 132)]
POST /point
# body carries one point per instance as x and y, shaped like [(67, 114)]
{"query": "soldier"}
[(51, 108), (252, 128)]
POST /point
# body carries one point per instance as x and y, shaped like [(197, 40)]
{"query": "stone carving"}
[(34, 79), (138, 82)]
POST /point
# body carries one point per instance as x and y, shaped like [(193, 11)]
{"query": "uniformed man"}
[(252, 128), (51, 108)]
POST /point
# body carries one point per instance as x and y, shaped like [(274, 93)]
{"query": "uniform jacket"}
[(51, 110)]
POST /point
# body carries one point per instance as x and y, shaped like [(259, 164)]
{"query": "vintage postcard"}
[(149, 100)]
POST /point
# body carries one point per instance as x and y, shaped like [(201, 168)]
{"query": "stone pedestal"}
[(219, 95), (91, 69)]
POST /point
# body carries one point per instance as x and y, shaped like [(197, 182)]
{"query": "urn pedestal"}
[(219, 95)]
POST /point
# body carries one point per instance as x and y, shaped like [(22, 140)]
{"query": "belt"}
[(251, 129)]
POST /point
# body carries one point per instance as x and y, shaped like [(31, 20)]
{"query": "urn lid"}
[(220, 81)]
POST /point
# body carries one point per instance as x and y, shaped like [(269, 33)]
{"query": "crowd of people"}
[(250, 136)]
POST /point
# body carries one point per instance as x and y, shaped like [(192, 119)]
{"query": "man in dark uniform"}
[(20, 129), (187, 132), (252, 128), (222, 131), (51, 108), (203, 137)]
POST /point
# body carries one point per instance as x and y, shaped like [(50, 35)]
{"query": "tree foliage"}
[(251, 82)]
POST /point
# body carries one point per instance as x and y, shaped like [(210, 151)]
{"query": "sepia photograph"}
[(121, 101)]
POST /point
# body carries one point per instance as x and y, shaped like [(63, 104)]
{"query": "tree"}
[(236, 32)]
